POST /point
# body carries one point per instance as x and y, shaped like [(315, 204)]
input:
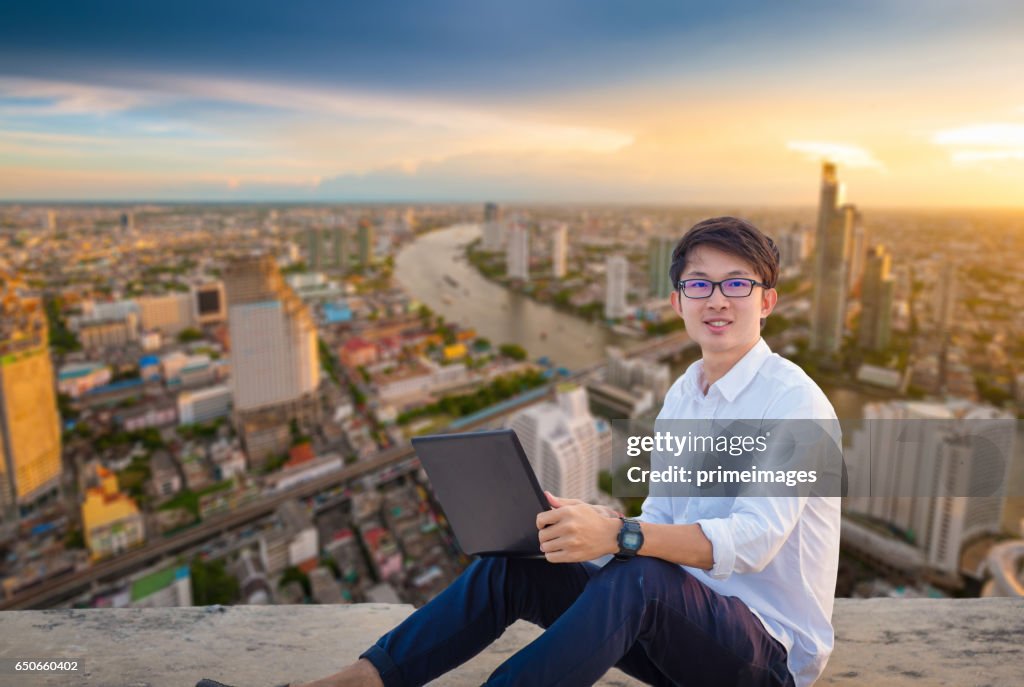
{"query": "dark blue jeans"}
[(646, 616)]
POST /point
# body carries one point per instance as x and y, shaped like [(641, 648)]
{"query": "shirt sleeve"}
[(657, 509), (748, 538), (751, 535)]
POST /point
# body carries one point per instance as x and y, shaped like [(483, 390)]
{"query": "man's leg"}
[(658, 623), (474, 611)]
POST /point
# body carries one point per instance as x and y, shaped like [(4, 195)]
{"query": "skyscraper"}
[(564, 443), (858, 250), (493, 231), (559, 250), (945, 298), (794, 247), (616, 283), (517, 255), (877, 291), (659, 259), (30, 439), (315, 248), (327, 248), (942, 451), (832, 246), (366, 240), (275, 369), (340, 248)]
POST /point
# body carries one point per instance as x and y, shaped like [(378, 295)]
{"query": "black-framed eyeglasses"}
[(736, 287)]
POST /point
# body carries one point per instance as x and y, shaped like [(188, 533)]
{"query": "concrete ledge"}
[(879, 642)]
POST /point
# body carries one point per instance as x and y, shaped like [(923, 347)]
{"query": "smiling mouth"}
[(717, 323)]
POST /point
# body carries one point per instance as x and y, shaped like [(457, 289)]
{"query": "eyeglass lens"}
[(731, 288)]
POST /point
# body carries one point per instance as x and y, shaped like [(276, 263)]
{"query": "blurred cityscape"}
[(212, 403)]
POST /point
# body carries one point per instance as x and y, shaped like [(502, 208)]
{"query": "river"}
[(466, 297), (432, 270)]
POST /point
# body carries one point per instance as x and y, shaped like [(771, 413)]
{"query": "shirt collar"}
[(737, 378)]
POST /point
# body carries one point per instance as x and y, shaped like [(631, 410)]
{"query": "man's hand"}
[(575, 531)]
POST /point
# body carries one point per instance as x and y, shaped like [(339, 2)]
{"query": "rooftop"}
[(896, 642)]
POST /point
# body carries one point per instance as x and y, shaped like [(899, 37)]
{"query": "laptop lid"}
[(487, 488)]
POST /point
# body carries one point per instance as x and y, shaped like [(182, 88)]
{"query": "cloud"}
[(983, 142), (840, 153), (67, 98), (417, 112), (321, 103), (999, 134)]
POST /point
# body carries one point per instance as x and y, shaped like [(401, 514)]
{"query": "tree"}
[(293, 574), (189, 335), (212, 584), (514, 351)]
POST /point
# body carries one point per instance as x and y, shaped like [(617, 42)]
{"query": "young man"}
[(704, 591)]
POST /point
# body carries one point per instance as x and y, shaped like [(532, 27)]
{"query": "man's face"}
[(719, 324)]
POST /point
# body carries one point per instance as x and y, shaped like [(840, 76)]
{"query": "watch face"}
[(631, 540)]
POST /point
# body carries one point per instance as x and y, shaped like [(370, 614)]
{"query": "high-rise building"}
[(945, 298), (340, 252), (366, 239), (170, 313), (127, 221), (858, 253), (631, 374), (616, 283), (209, 303), (275, 369), (327, 248), (517, 255), (30, 439), (564, 443), (559, 251), (493, 232), (832, 247), (315, 248), (794, 247), (943, 451), (50, 220), (877, 290), (659, 259)]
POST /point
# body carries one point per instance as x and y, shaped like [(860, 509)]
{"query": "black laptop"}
[(487, 489)]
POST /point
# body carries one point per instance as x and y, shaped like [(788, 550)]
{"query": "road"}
[(62, 587)]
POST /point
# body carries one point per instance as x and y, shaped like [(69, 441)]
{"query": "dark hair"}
[(730, 235)]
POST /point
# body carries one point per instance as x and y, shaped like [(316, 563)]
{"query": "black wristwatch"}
[(631, 538)]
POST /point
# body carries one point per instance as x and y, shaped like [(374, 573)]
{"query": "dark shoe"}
[(207, 682)]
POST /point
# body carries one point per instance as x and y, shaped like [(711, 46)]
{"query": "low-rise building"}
[(357, 352), (203, 405), (111, 520), (291, 476), (76, 379)]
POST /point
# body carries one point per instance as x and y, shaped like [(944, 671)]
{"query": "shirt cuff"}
[(722, 549)]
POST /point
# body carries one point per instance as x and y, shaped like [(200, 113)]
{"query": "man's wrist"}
[(614, 525)]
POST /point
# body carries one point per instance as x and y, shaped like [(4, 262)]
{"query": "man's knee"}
[(643, 576)]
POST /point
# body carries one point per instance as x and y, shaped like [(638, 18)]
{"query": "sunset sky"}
[(920, 103)]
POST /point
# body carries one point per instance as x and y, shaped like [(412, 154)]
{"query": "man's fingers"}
[(558, 501), (548, 517), (548, 533), (556, 557)]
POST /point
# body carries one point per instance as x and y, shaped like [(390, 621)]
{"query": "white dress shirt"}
[(778, 555)]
